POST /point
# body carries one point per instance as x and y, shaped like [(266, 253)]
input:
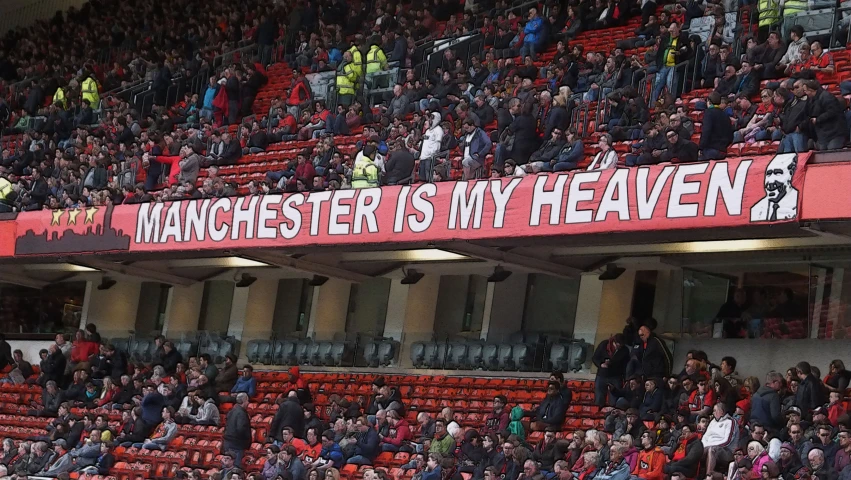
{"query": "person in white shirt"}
[(607, 158), (432, 139)]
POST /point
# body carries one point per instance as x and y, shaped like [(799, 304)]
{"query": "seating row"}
[(142, 349), (565, 356), (372, 353)]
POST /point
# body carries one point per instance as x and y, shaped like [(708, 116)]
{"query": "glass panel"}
[(55, 308), (830, 291), (292, 308), (753, 302), (550, 304), (215, 306), (368, 307)]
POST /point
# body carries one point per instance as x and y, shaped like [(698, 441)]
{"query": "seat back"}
[(265, 352), (431, 354), (286, 354), (558, 357), (490, 356), (577, 355), (252, 351), (457, 355), (475, 351), (370, 354), (505, 360), (338, 350), (302, 352), (522, 356), (418, 352), (323, 354), (386, 352)]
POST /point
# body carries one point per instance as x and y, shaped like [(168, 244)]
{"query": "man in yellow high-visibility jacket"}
[(59, 97), (357, 60), (346, 78), (365, 173), (89, 89)]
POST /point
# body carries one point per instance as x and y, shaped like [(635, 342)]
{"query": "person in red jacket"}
[(399, 432), (700, 401), (81, 349), (299, 95), (651, 459)]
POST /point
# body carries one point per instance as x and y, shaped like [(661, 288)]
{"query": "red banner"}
[(731, 193)]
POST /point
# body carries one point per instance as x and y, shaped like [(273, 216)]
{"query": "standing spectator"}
[(653, 353), (475, 145), (611, 358), (827, 116), (674, 48), (810, 393), (765, 403), (717, 132), (237, 434)]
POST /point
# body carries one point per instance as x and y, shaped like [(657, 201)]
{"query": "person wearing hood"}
[(765, 403), (400, 432), (472, 453), (432, 139), (722, 434), (789, 461), (688, 454)]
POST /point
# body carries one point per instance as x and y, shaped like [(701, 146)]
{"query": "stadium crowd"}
[(704, 421), (75, 149)]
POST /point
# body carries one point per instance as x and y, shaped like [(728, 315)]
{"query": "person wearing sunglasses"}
[(680, 149)]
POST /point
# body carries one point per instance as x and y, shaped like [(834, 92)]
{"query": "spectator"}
[(607, 157), (616, 468), (680, 149), (651, 459), (653, 354), (826, 114), (688, 454), (237, 434), (520, 138), (400, 165), (227, 378), (717, 133), (163, 434), (674, 49), (551, 411), (399, 433), (476, 145), (720, 438), (497, 420), (367, 447), (290, 461)]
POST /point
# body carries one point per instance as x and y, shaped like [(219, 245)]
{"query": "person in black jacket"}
[(680, 149), (170, 358), (483, 110), (810, 392), (53, 366), (688, 454), (525, 136), (551, 411), (793, 118), (653, 353), (717, 133), (231, 151), (289, 414), (5, 352), (673, 49), (610, 358), (827, 116), (237, 435), (550, 149), (765, 404), (400, 165)]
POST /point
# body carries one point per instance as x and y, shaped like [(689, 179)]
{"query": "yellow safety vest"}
[(59, 96), (375, 60), (346, 80), (5, 188), (791, 7), (357, 60), (90, 92), (769, 12), (365, 173)]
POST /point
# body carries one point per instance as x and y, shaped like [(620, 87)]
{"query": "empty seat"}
[(370, 354), (252, 351), (490, 356), (121, 344), (569, 356), (335, 356), (504, 358), (456, 356), (187, 348), (475, 351), (386, 352), (302, 351), (431, 355), (522, 356), (284, 352), (418, 351), (140, 348), (321, 353)]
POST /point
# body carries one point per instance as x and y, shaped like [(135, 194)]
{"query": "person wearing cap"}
[(226, 379), (651, 459)]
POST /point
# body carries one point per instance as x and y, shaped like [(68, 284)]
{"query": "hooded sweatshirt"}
[(722, 433), (432, 138), (514, 426)]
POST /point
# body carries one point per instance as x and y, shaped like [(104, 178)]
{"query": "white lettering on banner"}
[(315, 200), (578, 194), (338, 210), (680, 187), (647, 205), (148, 223), (645, 193), (469, 207), (365, 211), (501, 198), (172, 223), (731, 192), (266, 215), (244, 215), (615, 198), (551, 198), (196, 220), (292, 225), (422, 206)]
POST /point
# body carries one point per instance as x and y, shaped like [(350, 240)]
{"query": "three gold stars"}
[(56, 216)]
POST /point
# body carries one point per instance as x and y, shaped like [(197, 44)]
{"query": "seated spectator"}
[(367, 446), (768, 56), (398, 435), (720, 438), (688, 454), (793, 49), (651, 458), (442, 442), (616, 468), (827, 117), (607, 157), (551, 411), (228, 376), (680, 149)]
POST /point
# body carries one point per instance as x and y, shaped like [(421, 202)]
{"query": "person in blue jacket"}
[(246, 383), (533, 34), (367, 447)]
